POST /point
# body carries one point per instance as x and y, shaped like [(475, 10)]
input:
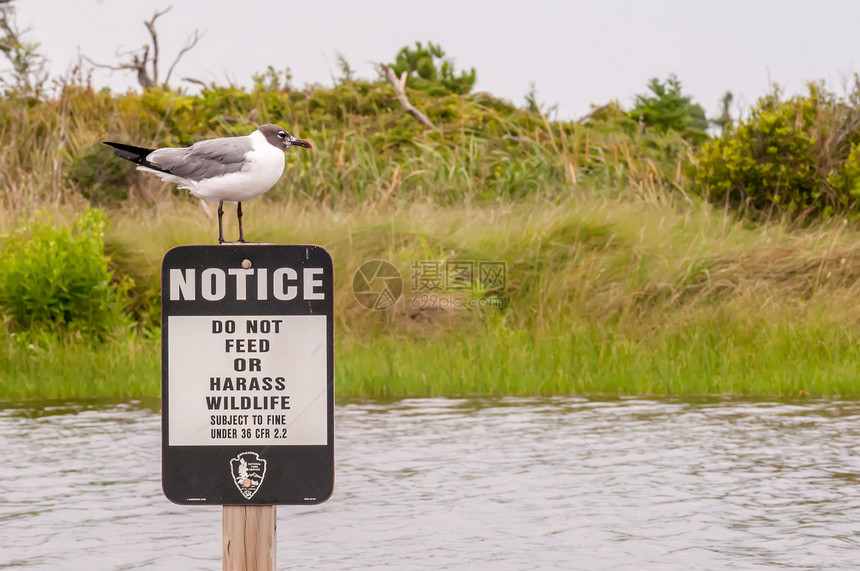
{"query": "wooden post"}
[(250, 538)]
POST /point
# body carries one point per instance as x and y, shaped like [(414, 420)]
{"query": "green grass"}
[(71, 368), (771, 361), (605, 296)]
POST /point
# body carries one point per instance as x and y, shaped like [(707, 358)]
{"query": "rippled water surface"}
[(456, 484)]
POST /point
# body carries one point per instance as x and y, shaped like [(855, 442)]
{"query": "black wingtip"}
[(129, 152)]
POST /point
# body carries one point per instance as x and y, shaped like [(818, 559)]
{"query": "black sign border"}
[(200, 475)]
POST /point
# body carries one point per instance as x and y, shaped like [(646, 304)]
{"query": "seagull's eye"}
[(281, 134)]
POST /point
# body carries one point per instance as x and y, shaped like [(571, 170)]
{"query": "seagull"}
[(229, 169)]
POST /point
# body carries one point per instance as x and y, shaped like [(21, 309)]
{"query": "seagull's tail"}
[(134, 154)]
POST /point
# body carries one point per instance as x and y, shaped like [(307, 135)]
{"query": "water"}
[(457, 484)]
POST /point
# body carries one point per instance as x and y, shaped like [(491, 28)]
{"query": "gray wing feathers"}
[(204, 159)]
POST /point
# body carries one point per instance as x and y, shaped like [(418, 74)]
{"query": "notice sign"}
[(247, 367)]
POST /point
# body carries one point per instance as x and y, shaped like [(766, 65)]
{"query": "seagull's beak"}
[(300, 143)]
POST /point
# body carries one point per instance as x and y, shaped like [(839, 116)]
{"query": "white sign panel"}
[(258, 380)]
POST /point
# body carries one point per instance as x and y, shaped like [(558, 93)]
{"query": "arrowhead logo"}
[(248, 472)]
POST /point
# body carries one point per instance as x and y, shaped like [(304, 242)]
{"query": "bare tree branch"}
[(199, 82), (150, 25), (588, 115), (141, 62), (399, 86), (189, 44), (106, 66), (28, 73), (137, 64)]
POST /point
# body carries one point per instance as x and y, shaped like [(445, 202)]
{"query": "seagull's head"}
[(281, 138)]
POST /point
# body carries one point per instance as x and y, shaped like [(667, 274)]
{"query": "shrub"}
[(667, 109), (429, 70), (57, 277), (845, 179), (100, 177), (791, 156)]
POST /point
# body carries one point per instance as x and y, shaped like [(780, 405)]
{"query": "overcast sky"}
[(577, 53)]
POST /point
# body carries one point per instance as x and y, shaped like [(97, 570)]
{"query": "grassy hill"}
[(619, 281)]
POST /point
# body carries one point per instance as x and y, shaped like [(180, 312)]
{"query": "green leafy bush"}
[(845, 179), (797, 156), (428, 70), (57, 277), (667, 108), (100, 177)]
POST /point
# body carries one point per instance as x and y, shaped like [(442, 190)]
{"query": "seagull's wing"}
[(205, 159)]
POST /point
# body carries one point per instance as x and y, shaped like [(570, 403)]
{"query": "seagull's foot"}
[(222, 241)]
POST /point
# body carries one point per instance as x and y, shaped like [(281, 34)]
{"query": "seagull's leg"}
[(220, 228), (239, 215)]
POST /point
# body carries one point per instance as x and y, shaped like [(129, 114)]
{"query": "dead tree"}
[(28, 72), (145, 62), (399, 85)]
